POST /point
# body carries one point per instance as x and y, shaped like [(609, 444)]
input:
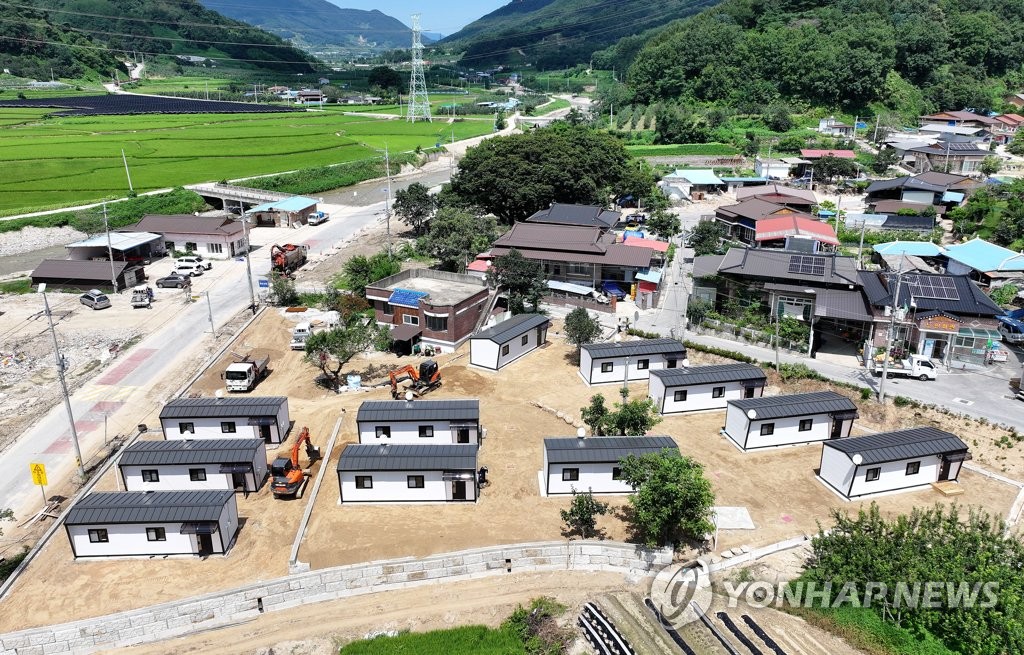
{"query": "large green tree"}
[(521, 278), (706, 238), (456, 236), (629, 418), (361, 271), (414, 205), (330, 350), (671, 499), (663, 224), (581, 328)]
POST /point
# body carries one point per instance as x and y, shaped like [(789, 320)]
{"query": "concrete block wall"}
[(182, 617)]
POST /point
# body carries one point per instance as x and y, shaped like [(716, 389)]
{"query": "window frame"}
[(156, 534), (215, 248), (191, 429), (916, 465), (99, 536), (570, 475), (443, 322), (387, 309), (616, 473), (382, 431), (808, 422), (228, 427), (873, 474), (676, 398), (525, 341), (364, 482), (415, 482), (767, 429), (643, 364), (197, 475), (504, 350), (150, 475), (607, 367), (718, 392), (426, 431), (410, 319)]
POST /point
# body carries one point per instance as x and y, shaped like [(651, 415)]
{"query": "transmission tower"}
[(419, 101)]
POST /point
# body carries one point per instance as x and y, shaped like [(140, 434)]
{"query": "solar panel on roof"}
[(807, 265), (406, 297), (933, 286)]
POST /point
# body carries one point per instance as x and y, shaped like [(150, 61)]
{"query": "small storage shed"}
[(234, 464), (407, 473), (152, 523), (509, 340), (592, 463), (704, 387), (419, 421), (765, 422), (891, 461), (85, 275), (607, 363), (234, 417)]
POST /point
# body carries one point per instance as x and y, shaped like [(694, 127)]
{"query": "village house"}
[(773, 421), (919, 192), (795, 232), (956, 158), (86, 275), (832, 127), (578, 215), (606, 363), (419, 421), (986, 263), (860, 467), (152, 523), (772, 169), (235, 417), (741, 219), (779, 194), (691, 184), (194, 464), (213, 238), (509, 340), (701, 388), (289, 212), (579, 465), (408, 473)]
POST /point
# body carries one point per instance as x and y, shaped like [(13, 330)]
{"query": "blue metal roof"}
[(952, 196), (698, 176), (407, 297), (293, 204), (633, 233), (984, 256), (744, 179), (916, 248)]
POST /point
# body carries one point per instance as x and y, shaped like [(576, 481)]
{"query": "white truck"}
[(246, 374), (914, 366), (300, 333)]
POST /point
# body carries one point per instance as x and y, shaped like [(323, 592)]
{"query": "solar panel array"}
[(406, 297), (807, 265), (932, 286)]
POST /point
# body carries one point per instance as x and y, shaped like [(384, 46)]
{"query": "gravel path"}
[(31, 238)]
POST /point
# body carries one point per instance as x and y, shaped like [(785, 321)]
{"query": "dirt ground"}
[(778, 487)]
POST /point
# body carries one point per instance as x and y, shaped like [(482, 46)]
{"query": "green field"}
[(554, 105), (472, 640), (57, 162)]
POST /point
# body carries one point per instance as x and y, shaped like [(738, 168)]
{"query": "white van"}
[(193, 270), (194, 259)]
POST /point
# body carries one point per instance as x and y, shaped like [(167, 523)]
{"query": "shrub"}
[(866, 393)]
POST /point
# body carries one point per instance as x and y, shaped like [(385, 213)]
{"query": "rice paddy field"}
[(52, 162)]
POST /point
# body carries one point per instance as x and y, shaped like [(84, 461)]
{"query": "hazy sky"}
[(446, 17)]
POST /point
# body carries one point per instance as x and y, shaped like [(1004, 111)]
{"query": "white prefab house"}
[(419, 422), (153, 523), (406, 473), (509, 340), (235, 417), (608, 363), (772, 421), (592, 463), (891, 461), (704, 387), (193, 464)]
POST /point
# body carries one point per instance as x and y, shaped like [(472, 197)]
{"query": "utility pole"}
[(611, 116), (63, 385), (451, 164), (209, 313), (110, 250), (256, 93), (778, 318), (878, 121), (131, 189), (248, 264), (892, 333), (860, 248), (387, 205)]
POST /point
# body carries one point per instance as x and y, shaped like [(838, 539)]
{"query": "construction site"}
[(538, 396)]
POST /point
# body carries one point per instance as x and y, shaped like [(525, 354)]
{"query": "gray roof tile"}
[(682, 377), (798, 404), (419, 410), (223, 407), (149, 507), (408, 457), (903, 444), (511, 328), (635, 348), (572, 450), (191, 451)]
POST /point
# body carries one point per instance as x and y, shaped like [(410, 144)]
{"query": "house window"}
[(414, 481), (187, 427), (227, 427), (383, 431), (409, 319), (679, 396), (913, 468), (504, 350), (643, 364), (872, 474), (156, 534), (616, 473), (150, 475), (718, 392), (190, 246), (767, 429), (98, 536), (805, 424), (671, 363), (214, 248), (570, 475), (437, 323), (197, 475), (426, 432), (364, 482), (579, 269), (387, 309), (525, 340), (607, 367)]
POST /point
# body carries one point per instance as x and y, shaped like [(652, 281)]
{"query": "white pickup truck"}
[(300, 333), (914, 366)]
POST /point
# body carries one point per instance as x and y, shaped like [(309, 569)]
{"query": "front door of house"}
[(837, 429), (238, 481), (205, 544), (748, 392), (458, 490), (462, 435), (944, 470), (265, 433)]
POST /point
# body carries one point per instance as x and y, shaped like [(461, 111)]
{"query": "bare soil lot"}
[(778, 487)]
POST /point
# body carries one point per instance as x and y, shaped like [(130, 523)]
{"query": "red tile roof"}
[(818, 154), (660, 246), (786, 226)]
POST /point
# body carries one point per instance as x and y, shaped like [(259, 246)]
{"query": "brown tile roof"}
[(756, 209), (189, 224), (615, 255), (772, 191), (545, 236)]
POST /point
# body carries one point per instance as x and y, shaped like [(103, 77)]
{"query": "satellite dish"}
[(686, 363), (582, 432), (409, 396), (219, 393), (751, 414), (858, 459)]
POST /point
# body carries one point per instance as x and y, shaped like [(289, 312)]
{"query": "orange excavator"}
[(287, 476), (427, 378)]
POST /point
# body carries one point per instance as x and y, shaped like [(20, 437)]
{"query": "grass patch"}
[(119, 214), (471, 640), (554, 105), (683, 149), (862, 628), (8, 565), (316, 180), (22, 285)]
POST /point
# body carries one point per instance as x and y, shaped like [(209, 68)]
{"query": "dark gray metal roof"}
[(896, 446), (408, 457), (798, 404), (510, 329), (223, 407), (905, 182), (419, 410), (573, 450), (967, 299), (774, 264), (191, 451), (576, 215), (149, 507), (682, 377), (842, 304), (634, 348)]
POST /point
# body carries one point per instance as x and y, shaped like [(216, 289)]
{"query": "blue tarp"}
[(952, 196), (1012, 322), (406, 298), (613, 289), (634, 234)]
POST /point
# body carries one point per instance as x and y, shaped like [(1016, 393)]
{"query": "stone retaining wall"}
[(182, 617)]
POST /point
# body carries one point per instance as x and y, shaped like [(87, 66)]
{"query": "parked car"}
[(174, 281), (95, 298), (195, 259), (998, 353), (317, 218), (188, 269)]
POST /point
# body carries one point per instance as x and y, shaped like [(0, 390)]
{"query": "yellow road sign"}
[(38, 474)]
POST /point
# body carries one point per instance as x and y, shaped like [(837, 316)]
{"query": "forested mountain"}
[(561, 33), (98, 31), (914, 55), (318, 23)]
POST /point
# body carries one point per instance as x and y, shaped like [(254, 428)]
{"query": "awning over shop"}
[(569, 287), (980, 333), (406, 332), (841, 304)]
